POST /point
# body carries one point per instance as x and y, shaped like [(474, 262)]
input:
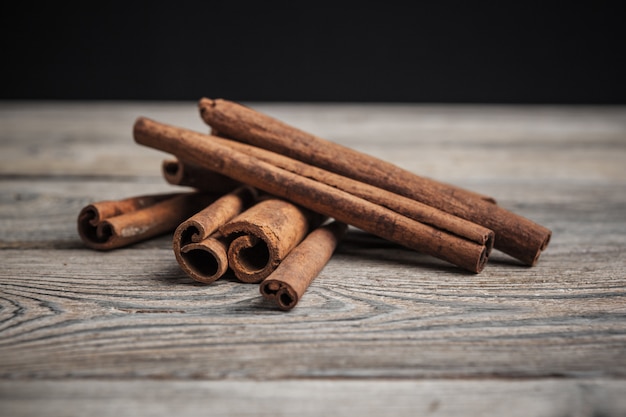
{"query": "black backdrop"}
[(520, 52)]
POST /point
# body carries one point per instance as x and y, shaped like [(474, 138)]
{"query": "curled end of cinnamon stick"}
[(527, 246), (279, 292), (490, 239), (186, 174), (205, 261), (92, 230), (263, 235), (189, 231), (172, 171), (251, 258), (482, 260), (542, 247)]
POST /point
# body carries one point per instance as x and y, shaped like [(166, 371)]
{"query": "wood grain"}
[(462, 144), (542, 398), (78, 313), (380, 326)]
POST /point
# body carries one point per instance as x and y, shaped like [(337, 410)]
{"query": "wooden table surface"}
[(382, 331)]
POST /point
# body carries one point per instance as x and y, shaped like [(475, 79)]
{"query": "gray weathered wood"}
[(372, 312), (82, 327), (398, 398)]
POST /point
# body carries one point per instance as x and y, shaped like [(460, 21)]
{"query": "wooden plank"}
[(372, 312), (449, 143), (376, 326), (118, 398)]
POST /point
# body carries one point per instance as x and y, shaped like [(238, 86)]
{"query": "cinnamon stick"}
[(286, 285), (235, 121), (515, 235), (263, 236), (403, 205), (107, 225), (200, 149), (205, 261), (181, 173), (200, 250)]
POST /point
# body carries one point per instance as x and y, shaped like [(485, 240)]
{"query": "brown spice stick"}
[(199, 249), (515, 235), (286, 285), (181, 173), (264, 234), (235, 121), (205, 261), (403, 205), (104, 209), (113, 224), (318, 197)]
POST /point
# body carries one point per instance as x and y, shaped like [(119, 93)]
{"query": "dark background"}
[(439, 52)]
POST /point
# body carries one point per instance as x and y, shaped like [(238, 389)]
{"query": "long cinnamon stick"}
[(515, 235), (109, 225), (286, 285), (318, 197), (200, 250), (264, 235), (181, 173), (235, 121), (403, 205)]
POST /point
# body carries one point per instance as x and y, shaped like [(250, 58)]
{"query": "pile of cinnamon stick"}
[(271, 202)]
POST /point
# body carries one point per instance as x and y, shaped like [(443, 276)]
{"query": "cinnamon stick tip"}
[(490, 241), (546, 241), (482, 260), (189, 231), (89, 214), (207, 102), (542, 247), (252, 258), (139, 126), (202, 263), (171, 170), (287, 298), (93, 231), (205, 105), (279, 292)]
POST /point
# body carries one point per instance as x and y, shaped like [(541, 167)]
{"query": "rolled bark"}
[(403, 205), (109, 225), (286, 285), (318, 197), (515, 235), (263, 236), (200, 250), (235, 121), (185, 174), (205, 261), (101, 210)]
